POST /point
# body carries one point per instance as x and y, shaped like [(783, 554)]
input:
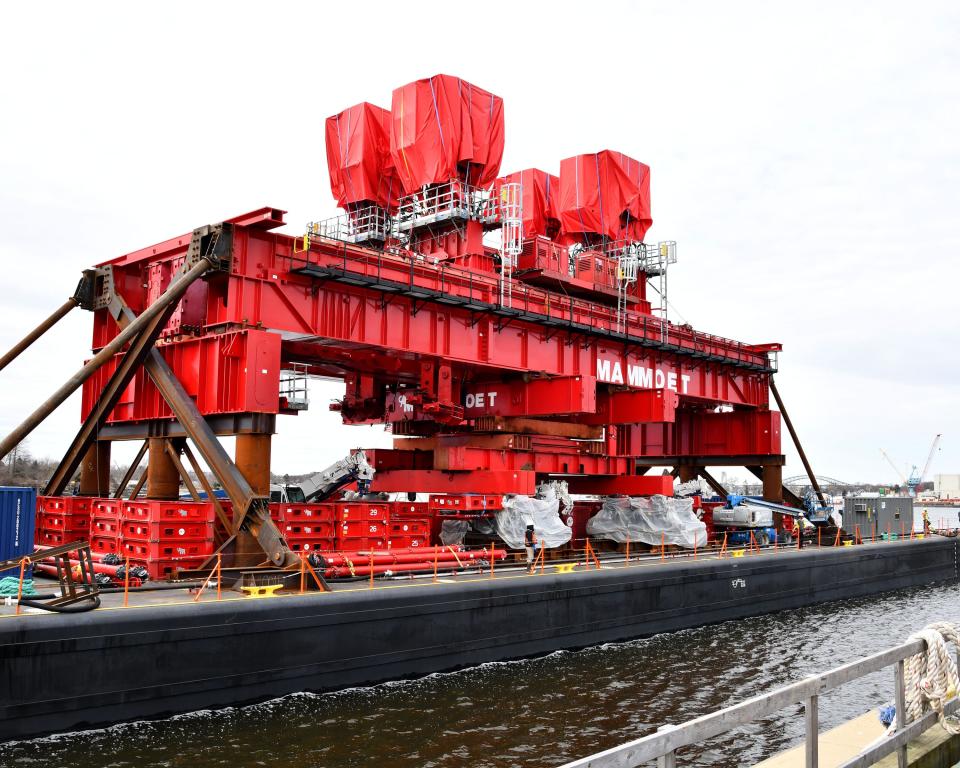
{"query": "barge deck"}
[(165, 655)]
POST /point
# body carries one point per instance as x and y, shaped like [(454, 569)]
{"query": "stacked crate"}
[(411, 525), (105, 524), (62, 519), (165, 536), (362, 525), (307, 527)]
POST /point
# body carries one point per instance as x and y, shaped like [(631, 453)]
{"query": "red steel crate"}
[(407, 542), (361, 543), (64, 505), (166, 550), (50, 538), (325, 529), (409, 527), (355, 528), (105, 544), (104, 526), (69, 524), (139, 530), (161, 569), (170, 511), (361, 510), (410, 509), (108, 508), (312, 545), (466, 502), (289, 512)]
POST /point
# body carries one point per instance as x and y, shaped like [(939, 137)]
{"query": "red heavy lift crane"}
[(509, 330)]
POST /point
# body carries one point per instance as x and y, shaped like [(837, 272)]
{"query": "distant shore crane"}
[(916, 478)]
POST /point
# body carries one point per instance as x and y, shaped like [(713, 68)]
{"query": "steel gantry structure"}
[(496, 365)]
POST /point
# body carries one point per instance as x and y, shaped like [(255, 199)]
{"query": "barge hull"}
[(69, 672)]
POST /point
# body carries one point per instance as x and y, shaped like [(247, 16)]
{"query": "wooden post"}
[(543, 556), (627, 558), (811, 719), (669, 760), (219, 574), (663, 546), (900, 693)]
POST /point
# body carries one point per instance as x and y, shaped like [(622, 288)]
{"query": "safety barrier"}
[(662, 746), (482, 562)]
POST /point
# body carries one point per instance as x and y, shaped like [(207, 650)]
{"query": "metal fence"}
[(662, 746)]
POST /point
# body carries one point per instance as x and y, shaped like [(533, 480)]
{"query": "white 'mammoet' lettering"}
[(641, 376)]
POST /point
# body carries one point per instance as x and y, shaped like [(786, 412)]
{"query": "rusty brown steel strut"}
[(140, 345), (253, 532), (37, 332), (796, 442), (172, 295), (251, 515)]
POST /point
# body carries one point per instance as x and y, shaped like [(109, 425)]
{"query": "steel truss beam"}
[(224, 424)]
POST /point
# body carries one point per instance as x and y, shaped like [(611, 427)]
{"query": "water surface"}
[(537, 712)]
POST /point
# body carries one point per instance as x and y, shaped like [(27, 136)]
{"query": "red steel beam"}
[(630, 485), (355, 325), (633, 407), (435, 481), (733, 433), (560, 396)]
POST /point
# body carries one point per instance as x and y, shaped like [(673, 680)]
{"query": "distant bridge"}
[(822, 480)]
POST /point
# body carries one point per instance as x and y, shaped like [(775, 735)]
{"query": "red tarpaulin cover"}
[(358, 157), (607, 194), (541, 215), (444, 128)]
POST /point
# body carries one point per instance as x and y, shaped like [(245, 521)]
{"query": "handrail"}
[(668, 739), (635, 326)]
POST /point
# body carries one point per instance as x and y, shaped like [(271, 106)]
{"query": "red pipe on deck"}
[(423, 555)]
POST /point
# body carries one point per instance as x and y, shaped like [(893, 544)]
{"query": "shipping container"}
[(18, 507), (873, 514)]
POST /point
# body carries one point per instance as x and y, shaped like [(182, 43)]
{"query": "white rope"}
[(931, 677)]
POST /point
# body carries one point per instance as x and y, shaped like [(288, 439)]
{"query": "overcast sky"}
[(807, 162)]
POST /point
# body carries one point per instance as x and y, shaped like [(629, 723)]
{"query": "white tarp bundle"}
[(649, 520), (520, 511)]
